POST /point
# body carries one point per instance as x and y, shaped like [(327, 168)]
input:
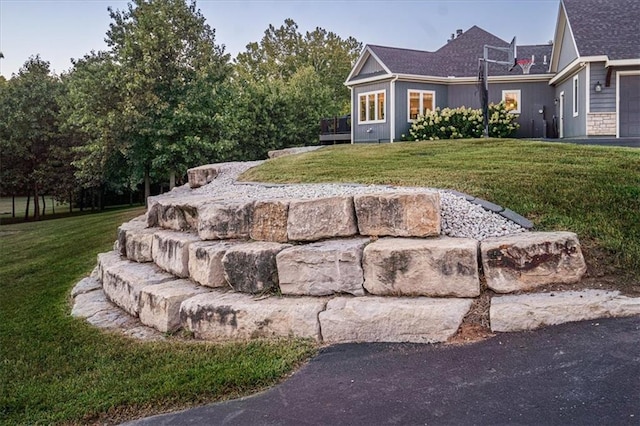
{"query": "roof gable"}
[(608, 28)]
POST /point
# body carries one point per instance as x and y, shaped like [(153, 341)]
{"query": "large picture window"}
[(576, 86), (420, 101), (511, 99), (372, 107)]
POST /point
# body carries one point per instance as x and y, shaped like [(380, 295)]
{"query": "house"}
[(586, 83)]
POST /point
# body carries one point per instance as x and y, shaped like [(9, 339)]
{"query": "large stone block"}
[(384, 319), (160, 304), (422, 267), (527, 260), (139, 244), (398, 214), (205, 262), (139, 222), (251, 267), (225, 220), (122, 283), (200, 176), (313, 220), (171, 251), (531, 311), (106, 260), (224, 316), (178, 214), (322, 268), (269, 221)]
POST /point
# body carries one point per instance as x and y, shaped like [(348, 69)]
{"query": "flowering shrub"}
[(462, 122)]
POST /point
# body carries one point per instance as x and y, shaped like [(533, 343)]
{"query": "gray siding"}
[(533, 98), (567, 51), (574, 126), (370, 66), (371, 132), (604, 101), (401, 113)]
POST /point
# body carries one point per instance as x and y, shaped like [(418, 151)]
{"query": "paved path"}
[(582, 373)]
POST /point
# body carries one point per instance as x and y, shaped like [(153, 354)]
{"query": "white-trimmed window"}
[(419, 102), (576, 85), (371, 107), (511, 99)]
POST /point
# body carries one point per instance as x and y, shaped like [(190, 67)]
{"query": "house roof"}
[(458, 58), (605, 27)]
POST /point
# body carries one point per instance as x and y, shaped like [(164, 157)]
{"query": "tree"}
[(166, 54), (29, 130), (283, 51)]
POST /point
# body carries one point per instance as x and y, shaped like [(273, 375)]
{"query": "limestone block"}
[(313, 220), (527, 260), (171, 251), (90, 303), (86, 285), (531, 311), (322, 268), (122, 283), (139, 222), (200, 176), (139, 243), (160, 304), (269, 221), (398, 214), (224, 316), (225, 220), (422, 267), (386, 319), (106, 260), (251, 267), (205, 262)]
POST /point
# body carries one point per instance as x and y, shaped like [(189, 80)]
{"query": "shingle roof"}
[(609, 28), (459, 57)]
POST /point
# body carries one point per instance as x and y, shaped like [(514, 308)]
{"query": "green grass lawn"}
[(593, 191), (58, 369)]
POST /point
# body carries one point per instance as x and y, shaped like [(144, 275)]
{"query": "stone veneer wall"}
[(601, 124)]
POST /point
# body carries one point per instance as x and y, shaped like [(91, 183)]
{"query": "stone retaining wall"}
[(370, 267)]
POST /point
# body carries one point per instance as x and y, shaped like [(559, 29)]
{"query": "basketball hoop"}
[(525, 64)]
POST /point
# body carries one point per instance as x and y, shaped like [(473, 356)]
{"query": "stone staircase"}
[(370, 267)]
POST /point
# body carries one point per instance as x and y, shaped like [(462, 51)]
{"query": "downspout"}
[(392, 112), (353, 113)]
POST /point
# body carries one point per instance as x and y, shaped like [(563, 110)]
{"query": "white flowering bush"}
[(462, 122)]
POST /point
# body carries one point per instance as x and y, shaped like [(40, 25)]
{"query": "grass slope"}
[(593, 191), (57, 369)]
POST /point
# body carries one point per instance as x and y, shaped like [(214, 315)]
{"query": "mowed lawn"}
[(593, 191), (58, 369)]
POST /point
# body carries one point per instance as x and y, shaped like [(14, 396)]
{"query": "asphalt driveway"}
[(581, 373)]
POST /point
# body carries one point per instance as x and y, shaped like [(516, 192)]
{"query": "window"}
[(372, 107), (511, 99), (420, 101), (575, 96)]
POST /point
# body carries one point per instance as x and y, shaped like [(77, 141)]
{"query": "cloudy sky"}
[(59, 30)]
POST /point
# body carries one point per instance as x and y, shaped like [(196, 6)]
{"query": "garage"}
[(629, 105)]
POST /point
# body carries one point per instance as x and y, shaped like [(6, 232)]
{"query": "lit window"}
[(511, 99), (420, 101), (575, 96), (372, 107)]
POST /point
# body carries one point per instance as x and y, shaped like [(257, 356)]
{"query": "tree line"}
[(164, 97)]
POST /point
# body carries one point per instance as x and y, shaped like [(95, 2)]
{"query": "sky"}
[(59, 30)]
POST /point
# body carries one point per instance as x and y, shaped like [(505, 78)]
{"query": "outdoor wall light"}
[(598, 87), (555, 101)]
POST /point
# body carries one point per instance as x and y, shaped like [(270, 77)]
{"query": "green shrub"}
[(463, 123)]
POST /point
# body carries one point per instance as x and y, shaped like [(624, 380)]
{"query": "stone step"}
[(531, 311), (234, 316), (170, 251), (528, 260), (251, 267), (390, 319), (422, 267)]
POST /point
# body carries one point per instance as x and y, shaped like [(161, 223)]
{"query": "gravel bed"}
[(460, 218)]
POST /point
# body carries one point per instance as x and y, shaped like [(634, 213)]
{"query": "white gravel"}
[(460, 218)]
